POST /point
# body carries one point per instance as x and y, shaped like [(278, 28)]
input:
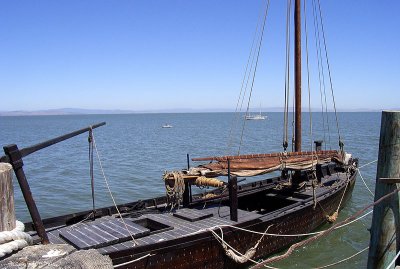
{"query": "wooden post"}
[(385, 230), (7, 216), (15, 158), (187, 192), (233, 199)]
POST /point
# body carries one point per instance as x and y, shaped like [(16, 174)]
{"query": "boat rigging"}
[(180, 228)]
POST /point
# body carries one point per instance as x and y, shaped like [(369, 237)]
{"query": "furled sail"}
[(257, 164)]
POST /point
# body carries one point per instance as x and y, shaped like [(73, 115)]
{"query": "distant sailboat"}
[(256, 116)]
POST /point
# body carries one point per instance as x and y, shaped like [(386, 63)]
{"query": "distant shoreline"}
[(76, 111)]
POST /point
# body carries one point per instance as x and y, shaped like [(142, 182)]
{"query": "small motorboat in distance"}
[(167, 125)]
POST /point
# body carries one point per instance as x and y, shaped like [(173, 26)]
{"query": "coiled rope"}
[(14, 240), (174, 193)]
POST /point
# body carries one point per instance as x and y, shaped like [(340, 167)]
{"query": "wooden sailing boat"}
[(183, 230)]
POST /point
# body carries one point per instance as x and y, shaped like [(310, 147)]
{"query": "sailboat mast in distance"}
[(297, 76)]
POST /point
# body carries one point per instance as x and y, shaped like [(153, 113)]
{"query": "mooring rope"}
[(14, 239), (368, 164), (366, 186), (247, 258), (326, 232), (132, 261), (332, 218), (282, 235), (109, 190), (343, 260), (393, 261)]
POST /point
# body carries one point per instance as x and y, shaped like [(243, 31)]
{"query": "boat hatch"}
[(192, 215), (267, 202), (153, 225), (102, 233)]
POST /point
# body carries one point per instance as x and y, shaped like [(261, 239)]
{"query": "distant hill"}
[(63, 111), (79, 111)]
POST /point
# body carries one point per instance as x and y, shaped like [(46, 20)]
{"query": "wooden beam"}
[(389, 180)]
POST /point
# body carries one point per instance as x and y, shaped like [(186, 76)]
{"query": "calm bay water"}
[(135, 151)]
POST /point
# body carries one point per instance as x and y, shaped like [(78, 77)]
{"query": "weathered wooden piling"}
[(7, 210), (385, 230)]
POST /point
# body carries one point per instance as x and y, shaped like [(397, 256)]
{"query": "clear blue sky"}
[(144, 55)]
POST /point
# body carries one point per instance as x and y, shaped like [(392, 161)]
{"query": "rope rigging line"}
[(90, 140), (316, 36), (308, 81), (109, 191), (287, 78), (322, 71), (243, 86), (329, 73), (254, 72)]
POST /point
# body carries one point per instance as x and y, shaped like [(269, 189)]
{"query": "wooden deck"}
[(109, 234)]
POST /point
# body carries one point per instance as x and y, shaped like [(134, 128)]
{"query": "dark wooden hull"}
[(204, 251), (293, 212)]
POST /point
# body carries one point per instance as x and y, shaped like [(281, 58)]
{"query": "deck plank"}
[(100, 234)]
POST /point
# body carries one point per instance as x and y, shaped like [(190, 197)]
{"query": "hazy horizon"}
[(78, 111)]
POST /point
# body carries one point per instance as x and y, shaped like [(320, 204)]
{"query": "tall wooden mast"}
[(297, 75)]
